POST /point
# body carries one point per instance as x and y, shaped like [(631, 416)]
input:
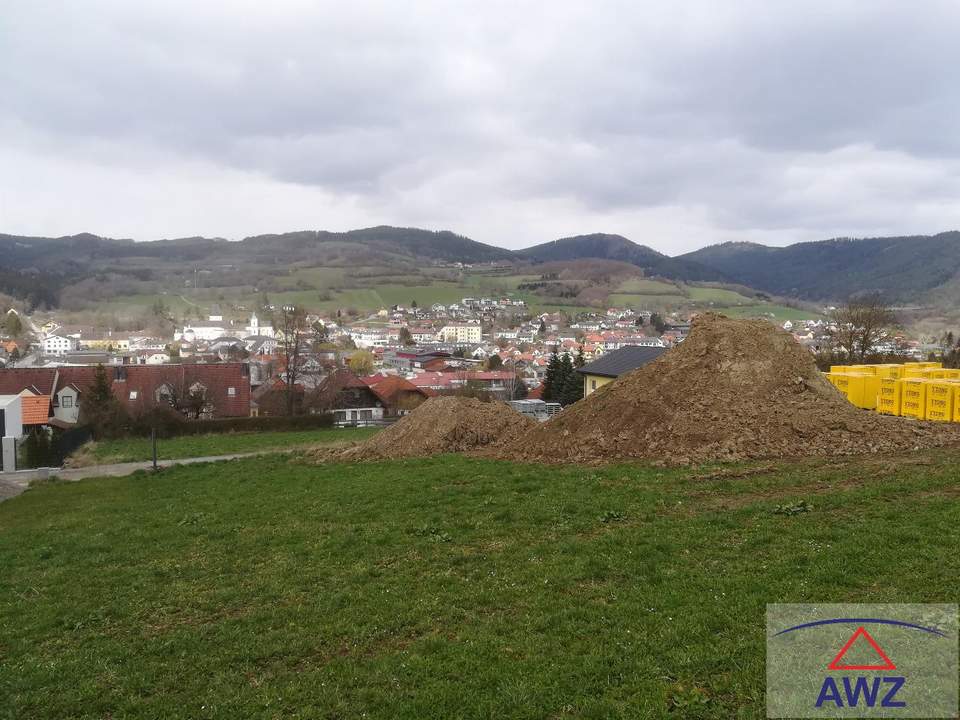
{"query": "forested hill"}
[(617, 247), (903, 269)]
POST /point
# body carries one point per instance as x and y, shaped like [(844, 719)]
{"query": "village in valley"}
[(283, 360)]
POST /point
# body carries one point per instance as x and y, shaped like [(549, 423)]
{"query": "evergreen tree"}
[(580, 360), (99, 409), (13, 325), (569, 379), (658, 324), (551, 380), (543, 327)]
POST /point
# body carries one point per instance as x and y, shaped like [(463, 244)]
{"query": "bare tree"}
[(859, 327), (296, 335)]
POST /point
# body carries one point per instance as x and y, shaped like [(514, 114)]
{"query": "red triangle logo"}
[(861, 632)]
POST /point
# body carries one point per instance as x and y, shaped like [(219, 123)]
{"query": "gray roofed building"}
[(616, 363)]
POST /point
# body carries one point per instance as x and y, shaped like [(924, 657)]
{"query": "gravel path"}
[(12, 484)]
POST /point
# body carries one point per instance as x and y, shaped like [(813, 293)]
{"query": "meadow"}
[(447, 587), (133, 449)]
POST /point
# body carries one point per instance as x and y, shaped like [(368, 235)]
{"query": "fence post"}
[(153, 442)]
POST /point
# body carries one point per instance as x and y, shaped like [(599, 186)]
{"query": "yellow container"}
[(913, 398), (912, 371), (889, 371), (863, 369), (951, 374), (839, 369), (936, 373), (860, 389), (940, 399), (888, 397)]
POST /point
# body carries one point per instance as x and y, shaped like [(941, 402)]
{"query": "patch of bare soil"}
[(733, 390), (440, 425)]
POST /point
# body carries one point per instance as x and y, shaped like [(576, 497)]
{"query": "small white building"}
[(11, 430), (193, 333), (59, 345), (255, 328), (66, 404), (461, 333), (11, 416)]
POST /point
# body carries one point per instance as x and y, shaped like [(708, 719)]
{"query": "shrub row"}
[(170, 424)]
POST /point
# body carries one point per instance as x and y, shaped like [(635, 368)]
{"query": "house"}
[(216, 389), (351, 400), (59, 345), (399, 396), (616, 363), (256, 329), (461, 333), (11, 430)]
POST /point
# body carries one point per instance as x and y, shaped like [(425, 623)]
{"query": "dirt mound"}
[(443, 425), (734, 389)]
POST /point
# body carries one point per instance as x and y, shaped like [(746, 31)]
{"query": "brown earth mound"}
[(734, 389), (443, 425)]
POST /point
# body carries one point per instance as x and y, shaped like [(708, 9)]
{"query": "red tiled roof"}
[(36, 409), (389, 389), (143, 380), (216, 378), (14, 380)]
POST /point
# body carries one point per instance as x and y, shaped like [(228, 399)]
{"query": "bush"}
[(171, 424)]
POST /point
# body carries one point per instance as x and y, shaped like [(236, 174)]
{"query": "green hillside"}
[(903, 269)]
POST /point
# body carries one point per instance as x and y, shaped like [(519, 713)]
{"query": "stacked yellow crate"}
[(913, 398), (940, 399), (888, 399), (860, 389)]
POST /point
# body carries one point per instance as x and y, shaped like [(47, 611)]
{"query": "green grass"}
[(446, 588), (718, 296), (768, 310), (134, 449), (646, 301), (645, 286)]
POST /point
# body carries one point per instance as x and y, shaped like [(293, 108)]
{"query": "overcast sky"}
[(677, 124)]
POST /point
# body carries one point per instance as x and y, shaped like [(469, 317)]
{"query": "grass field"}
[(645, 286), (770, 310), (720, 296), (134, 449), (446, 588)]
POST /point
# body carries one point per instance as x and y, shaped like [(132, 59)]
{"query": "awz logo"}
[(861, 688), (861, 665)]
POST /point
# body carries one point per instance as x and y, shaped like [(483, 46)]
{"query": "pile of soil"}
[(443, 425), (733, 390)]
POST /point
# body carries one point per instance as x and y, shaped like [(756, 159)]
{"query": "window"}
[(231, 391), (133, 394), (593, 384), (164, 393), (67, 401)]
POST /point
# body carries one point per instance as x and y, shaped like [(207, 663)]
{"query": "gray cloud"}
[(676, 124)]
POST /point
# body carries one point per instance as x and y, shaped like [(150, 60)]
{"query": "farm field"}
[(379, 289), (185, 446), (447, 587)]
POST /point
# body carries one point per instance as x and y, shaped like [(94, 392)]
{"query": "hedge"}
[(171, 426)]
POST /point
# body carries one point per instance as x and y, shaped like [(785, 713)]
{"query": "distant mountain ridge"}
[(902, 269), (617, 247), (920, 268)]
